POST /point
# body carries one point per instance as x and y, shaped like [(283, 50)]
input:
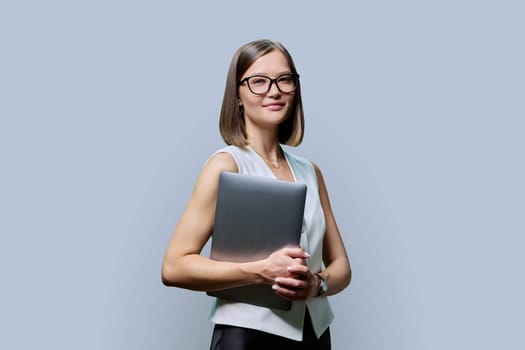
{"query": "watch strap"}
[(323, 287)]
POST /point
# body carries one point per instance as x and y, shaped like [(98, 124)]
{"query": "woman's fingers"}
[(280, 261), (290, 283), (296, 252), (287, 292), (298, 269), (293, 288)]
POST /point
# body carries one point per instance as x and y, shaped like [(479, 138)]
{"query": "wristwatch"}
[(323, 287)]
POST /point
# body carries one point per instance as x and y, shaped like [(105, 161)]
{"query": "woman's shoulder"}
[(221, 160), (208, 180), (234, 151), (241, 156)]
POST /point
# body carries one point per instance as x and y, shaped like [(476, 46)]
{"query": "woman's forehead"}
[(273, 63)]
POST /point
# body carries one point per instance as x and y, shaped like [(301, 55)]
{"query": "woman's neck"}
[(268, 149), (265, 143)]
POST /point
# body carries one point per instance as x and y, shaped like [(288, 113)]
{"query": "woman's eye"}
[(258, 81), (288, 79)]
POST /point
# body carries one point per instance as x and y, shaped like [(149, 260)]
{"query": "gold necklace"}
[(276, 163)]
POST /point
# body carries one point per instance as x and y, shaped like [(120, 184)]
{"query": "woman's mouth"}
[(274, 106)]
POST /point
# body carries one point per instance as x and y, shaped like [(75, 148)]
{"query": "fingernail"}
[(307, 255), (275, 287), (277, 280)]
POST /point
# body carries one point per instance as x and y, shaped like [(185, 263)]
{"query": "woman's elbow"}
[(169, 276), (348, 277), (166, 280), (345, 277)]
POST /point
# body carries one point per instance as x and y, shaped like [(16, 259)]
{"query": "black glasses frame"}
[(272, 81)]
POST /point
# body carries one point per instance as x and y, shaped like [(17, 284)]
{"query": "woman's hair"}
[(231, 122)]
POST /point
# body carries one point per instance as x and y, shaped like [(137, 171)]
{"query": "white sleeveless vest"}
[(287, 324)]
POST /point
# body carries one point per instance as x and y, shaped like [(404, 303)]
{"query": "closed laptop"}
[(254, 217)]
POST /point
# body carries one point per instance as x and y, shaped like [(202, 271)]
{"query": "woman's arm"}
[(184, 267), (337, 273)]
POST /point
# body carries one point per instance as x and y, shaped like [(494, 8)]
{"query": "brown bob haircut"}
[(231, 124)]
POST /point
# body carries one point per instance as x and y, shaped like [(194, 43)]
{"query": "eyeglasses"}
[(260, 84)]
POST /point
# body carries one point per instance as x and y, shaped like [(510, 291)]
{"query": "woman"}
[(262, 109)]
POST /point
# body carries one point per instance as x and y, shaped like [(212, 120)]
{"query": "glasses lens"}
[(287, 83), (259, 84)]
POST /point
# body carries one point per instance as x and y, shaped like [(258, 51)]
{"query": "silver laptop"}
[(254, 217)]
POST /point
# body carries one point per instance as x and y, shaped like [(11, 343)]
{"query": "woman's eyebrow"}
[(267, 75)]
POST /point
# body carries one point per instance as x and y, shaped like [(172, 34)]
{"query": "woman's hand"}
[(283, 263), (301, 285)]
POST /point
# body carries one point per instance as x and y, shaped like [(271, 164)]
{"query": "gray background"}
[(414, 113)]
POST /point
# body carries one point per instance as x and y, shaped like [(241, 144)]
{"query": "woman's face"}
[(271, 108)]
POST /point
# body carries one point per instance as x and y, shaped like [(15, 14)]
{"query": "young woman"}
[(261, 110)]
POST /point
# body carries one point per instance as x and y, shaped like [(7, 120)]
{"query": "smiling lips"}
[(274, 106)]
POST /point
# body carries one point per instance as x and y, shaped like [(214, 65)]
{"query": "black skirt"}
[(238, 338)]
